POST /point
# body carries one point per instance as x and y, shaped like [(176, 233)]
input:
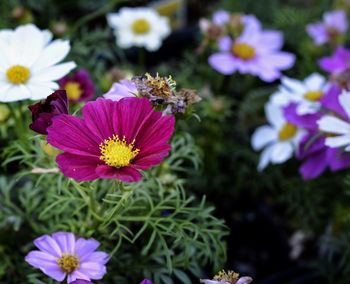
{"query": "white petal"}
[(15, 93), (265, 158), (281, 152), (263, 136), (274, 115), (40, 91), (27, 42), (333, 124), (54, 72), (339, 141), (315, 82), (344, 100), (293, 85), (52, 54)]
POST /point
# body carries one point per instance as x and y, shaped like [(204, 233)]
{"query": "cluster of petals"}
[(128, 128), (29, 63), (140, 27), (255, 51)]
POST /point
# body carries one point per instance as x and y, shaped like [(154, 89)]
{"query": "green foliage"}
[(153, 228)]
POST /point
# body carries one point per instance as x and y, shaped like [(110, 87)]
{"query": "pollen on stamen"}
[(117, 153)]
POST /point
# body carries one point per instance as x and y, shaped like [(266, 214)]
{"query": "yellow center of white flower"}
[(313, 95), (117, 153), (287, 131), (68, 263), (141, 26), (18, 74), (243, 51), (73, 90)]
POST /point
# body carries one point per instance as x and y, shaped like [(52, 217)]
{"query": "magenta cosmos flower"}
[(62, 255), (334, 24), (254, 52), (44, 112), (79, 86), (114, 139)]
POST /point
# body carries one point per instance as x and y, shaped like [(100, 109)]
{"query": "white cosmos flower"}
[(306, 94), (142, 27), (28, 63), (336, 126), (280, 138)]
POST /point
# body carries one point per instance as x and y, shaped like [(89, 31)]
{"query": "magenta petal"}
[(126, 174), (154, 134), (152, 157), (46, 263), (49, 245), (223, 63), (308, 121), (338, 160), (70, 134), (99, 117), (80, 168), (134, 114), (331, 100), (314, 166), (311, 144)]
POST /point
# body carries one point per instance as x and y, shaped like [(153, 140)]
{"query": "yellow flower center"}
[(141, 26), (287, 131), (73, 90), (243, 51), (68, 263), (18, 74), (313, 95), (117, 153)]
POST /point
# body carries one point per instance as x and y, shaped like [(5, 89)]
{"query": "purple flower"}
[(80, 281), (254, 52), (338, 62), (61, 255), (334, 24), (44, 112), (79, 86), (124, 89), (316, 156), (146, 281)]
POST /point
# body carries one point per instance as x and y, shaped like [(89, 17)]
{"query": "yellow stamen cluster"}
[(117, 153), (229, 276), (161, 86), (243, 51), (141, 26), (287, 131), (313, 95), (18, 74), (73, 90), (68, 263)]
